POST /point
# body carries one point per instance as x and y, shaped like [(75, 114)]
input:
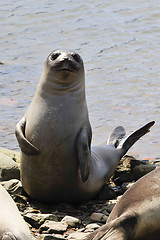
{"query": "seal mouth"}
[(66, 66), (66, 70)]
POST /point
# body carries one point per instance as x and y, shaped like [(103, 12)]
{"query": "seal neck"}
[(50, 85)]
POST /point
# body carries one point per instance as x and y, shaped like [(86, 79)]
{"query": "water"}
[(119, 43)]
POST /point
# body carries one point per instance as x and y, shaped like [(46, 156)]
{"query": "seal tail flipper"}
[(121, 228), (116, 136), (131, 139), (25, 145)]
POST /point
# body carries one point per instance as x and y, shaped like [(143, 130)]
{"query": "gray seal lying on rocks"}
[(12, 225), (137, 214), (57, 162)]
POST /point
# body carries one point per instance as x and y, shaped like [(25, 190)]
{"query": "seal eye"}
[(76, 57), (54, 56)]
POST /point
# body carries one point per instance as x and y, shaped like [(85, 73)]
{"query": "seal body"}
[(12, 225), (137, 215), (57, 162)]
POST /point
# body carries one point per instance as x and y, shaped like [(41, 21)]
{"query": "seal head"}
[(64, 69)]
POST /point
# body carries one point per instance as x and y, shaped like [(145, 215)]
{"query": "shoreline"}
[(65, 220)]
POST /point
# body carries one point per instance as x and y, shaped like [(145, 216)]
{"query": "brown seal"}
[(57, 162), (12, 225), (137, 214)]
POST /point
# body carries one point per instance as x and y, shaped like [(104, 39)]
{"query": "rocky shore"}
[(65, 220)]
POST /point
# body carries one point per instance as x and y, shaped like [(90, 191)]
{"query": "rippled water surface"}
[(119, 42)]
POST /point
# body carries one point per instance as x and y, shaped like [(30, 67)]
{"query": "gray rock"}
[(81, 230), (92, 226), (110, 205), (45, 237), (142, 169), (15, 156), (58, 237), (125, 186), (71, 221), (8, 168), (13, 186), (36, 220), (77, 235), (104, 211), (98, 217), (51, 237), (53, 227), (124, 177), (106, 193)]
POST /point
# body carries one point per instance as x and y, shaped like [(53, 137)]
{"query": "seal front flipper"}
[(84, 152), (26, 147), (121, 228)]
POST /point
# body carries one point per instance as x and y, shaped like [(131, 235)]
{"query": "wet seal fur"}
[(12, 225), (137, 214), (57, 161)]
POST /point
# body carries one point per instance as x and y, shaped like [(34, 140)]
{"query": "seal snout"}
[(66, 64)]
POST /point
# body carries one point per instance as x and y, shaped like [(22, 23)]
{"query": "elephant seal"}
[(57, 162), (137, 214), (12, 225)]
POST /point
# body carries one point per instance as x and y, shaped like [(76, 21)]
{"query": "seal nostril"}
[(54, 56), (65, 59), (76, 57)]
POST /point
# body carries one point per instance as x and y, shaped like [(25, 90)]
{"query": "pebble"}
[(92, 226), (106, 193), (77, 235), (71, 221), (98, 217), (13, 186), (53, 227), (125, 186), (51, 237), (110, 205), (36, 220)]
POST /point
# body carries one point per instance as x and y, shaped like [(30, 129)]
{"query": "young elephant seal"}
[(57, 162), (137, 214), (12, 225)]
